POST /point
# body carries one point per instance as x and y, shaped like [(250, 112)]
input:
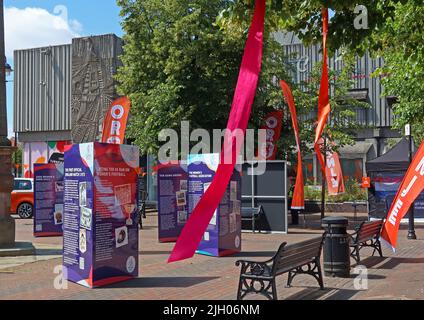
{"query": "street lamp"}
[(8, 69), (411, 226)]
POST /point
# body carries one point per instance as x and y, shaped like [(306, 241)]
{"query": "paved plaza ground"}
[(396, 276)]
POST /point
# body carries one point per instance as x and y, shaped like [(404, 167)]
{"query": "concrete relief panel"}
[(94, 63)]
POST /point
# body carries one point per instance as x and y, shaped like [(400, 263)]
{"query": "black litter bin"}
[(336, 247)]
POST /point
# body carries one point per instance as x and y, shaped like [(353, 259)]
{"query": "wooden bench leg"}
[(355, 254), (253, 224), (377, 247), (239, 290), (268, 288), (274, 290), (313, 269), (289, 280), (320, 279)]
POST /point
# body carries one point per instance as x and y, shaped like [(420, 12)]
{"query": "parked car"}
[(22, 198)]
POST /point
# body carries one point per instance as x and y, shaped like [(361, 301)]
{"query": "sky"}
[(37, 23)]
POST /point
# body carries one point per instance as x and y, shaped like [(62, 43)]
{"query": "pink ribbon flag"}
[(244, 95)]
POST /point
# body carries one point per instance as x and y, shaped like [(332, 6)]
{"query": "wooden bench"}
[(253, 215), (300, 258), (366, 235)]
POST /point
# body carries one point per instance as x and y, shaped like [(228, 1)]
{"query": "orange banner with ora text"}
[(115, 121), (410, 188)]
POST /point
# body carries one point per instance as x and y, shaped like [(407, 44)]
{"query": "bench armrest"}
[(254, 267)]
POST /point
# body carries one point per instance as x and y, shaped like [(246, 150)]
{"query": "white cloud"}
[(36, 27)]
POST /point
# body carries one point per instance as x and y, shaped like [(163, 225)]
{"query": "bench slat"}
[(287, 254), (296, 261), (368, 234), (367, 227), (303, 244)]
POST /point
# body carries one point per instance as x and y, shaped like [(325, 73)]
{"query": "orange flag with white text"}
[(334, 174), (273, 125), (115, 122), (298, 199), (410, 188)]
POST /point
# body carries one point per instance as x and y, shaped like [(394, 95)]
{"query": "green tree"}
[(304, 18), (402, 40), (17, 158), (179, 64)]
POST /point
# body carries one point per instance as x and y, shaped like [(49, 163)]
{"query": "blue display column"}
[(100, 240), (48, 200), (223, 235), (172, 201)]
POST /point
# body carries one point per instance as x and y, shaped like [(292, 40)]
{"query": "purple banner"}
[(48, 200), (172, 201), (100, 244), (223, 234)]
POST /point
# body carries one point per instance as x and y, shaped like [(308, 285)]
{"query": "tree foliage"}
[(180, 65), (304, 18), (182, 60), (402, 40)]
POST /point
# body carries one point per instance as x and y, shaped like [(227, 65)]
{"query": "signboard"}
[(172, 201), (386, 185), (366, 182), (100, 244), (223, 235), (48, 200), (56, 157)]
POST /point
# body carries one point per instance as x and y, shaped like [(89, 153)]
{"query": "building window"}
[(308, 171), (352, 169)]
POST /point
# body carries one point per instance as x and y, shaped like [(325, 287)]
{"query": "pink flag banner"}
[(244, 95)]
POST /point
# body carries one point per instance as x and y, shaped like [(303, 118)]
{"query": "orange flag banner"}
[(273, 124), (115, 121), (298, 200), (334, 174), (410, 188), (323, 99)]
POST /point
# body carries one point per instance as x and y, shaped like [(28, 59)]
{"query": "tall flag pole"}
[(323, 99), (298, 199), (244, 95)]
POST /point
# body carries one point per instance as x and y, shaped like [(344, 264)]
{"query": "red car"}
[(22, 198)]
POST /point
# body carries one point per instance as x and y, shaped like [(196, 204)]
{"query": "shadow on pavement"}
[(247, 254), (161, 282), (48, 252), (326, 294), (369, 262), (145, 252), (394, 262)]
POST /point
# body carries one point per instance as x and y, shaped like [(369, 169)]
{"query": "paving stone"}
[(396, 276)]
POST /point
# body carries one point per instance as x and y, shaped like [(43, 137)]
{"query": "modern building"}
[(372, 141), (61, 94)]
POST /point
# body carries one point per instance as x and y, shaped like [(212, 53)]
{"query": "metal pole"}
[(7, 223), (16, 154), (323, 181), (3, 109), (411, 226)]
